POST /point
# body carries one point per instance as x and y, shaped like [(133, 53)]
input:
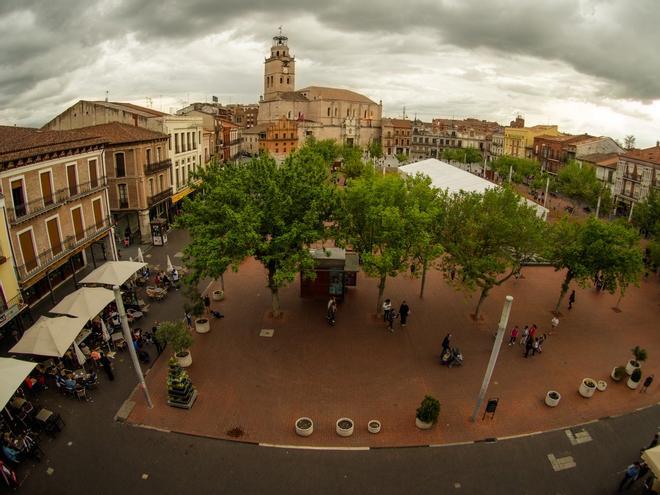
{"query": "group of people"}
[(390, 314), (528, 338), (161, 279), (638, 469)]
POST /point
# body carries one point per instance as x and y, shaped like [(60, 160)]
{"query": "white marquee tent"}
[(49, 336), (447, 177)]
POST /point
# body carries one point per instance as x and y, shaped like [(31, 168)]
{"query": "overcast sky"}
[(586, 65)]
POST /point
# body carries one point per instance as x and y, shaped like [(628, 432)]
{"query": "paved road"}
[(95, 454)]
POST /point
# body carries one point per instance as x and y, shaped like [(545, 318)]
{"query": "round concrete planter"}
[(552, 398), (601, 385), (218, 295), (373, 426), (345, 427), (304, 426), (422, 425), (631, 365), (587, 387), (615, 377), (202, 325), (184, 358), (631, 384)]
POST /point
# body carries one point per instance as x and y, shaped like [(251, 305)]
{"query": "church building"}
[(325, 113)]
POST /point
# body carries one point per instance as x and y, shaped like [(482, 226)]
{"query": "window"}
[(151, 187), (188, 148), (161, 181), (53, 229), (78, 228), (93, 174), (26, 242), (281, 80), (177, 178), (336, 111), (46, 187), (158, 154), (194, 136), (287, 80), (328, 111), (348, 112), (98, 213), (176, 142), (169, 142), (122, 190), (72, 177), (148, 156), (120, 165)]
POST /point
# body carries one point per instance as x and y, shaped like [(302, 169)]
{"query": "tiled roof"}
[(651, 155), (561, 138), (396, 122), (24, 142), (323, 93), (118, 133), (293, 96), (608, 160), (129, 107)]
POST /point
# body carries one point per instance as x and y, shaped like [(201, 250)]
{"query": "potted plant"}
[(618, 373), (587, 387), (427, 413), (373, 426), (304, 426), (195, 306), (345, 427), (601, 385), (180, 390), (640, 356), (552, 398), (176, 334), (634, 379), (218, 295)]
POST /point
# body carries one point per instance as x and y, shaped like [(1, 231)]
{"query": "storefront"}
[(335, 270)]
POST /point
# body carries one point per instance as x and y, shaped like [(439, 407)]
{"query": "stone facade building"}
[(519, 141), (637, 173), (329, 113), (396, 136), (56, 201), (553, 152)]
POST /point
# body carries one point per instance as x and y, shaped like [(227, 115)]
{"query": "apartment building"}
[(396, 136), (637, 173), (56, 203), (11, 299)]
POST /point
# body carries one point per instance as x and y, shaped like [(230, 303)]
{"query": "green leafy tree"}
[(646, 215), (375, 220), (629, 142), (262, 210), (462, 155), (521, 168), (327, 149), (375, 149), (487, 237), (595, 248), (579, 183), (402, 157)]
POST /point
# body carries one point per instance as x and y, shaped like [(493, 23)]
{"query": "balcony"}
[(157, 198), (9, 309), (49, 257), (152, 168), (632, 177)]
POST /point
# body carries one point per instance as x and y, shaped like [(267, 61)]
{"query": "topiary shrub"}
[(639, 353), (636, 375), (175, 334), (429, 410)]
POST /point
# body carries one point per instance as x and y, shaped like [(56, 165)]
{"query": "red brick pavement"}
[(358, 369)]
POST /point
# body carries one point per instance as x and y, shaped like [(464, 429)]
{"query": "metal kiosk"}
[(159, 232)]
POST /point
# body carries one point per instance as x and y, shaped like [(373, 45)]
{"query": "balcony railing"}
[(157, 198), (31, 209), (152, 168), (47, 258), (633, 177)]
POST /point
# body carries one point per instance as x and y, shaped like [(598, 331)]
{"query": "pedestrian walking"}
[(536, 345), (207, 304), (532, 331), (630, 475), (391, 316), (571, 300), (154, 339), (331, 313), (189, 320), (404, 311), (446, 342), (525, 336), (529, 345), (175, 279), (514, 335), (554, 323), (107, 366), (387, 307), (647, 383)]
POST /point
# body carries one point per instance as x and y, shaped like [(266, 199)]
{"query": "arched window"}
[(287, 80), (280, 80), (328, 111), (336, 111)]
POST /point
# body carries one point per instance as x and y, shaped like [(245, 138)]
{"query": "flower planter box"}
[(373, 426), (184, 358), (631, 365), (422, 425), (304, 426), (202, 325), (601, 386), (552, 398), (345, 427), (587, 387), (218, 295)]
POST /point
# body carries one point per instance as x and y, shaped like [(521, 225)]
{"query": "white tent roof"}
[(113, 273), (652, 458), (12, 374), (86, 302), (49, 336), (453, 179)]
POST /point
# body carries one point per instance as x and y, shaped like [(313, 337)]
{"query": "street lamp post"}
[(506, 310), (129, 341)]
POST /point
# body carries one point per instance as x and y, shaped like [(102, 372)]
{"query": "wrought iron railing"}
[(47, 258), (152, 168), (156, 198), (5, 305)]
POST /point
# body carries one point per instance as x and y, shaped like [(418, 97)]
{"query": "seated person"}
[(69, 382), (11, 454), (33, 384)]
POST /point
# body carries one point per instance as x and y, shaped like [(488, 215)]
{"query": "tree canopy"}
[(521, 168), (646, 215), (462, 155), (487, 237), (579, 183), (262, 210)]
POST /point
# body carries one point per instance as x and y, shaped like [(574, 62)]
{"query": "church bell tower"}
[(279, 69)]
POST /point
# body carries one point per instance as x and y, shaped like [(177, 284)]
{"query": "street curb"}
[(309, 447)]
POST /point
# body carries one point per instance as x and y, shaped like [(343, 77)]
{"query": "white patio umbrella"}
[(86, 302), (140, 258), (652, 458), (12, 374), (169, 264), (49, 336), (113, 273)]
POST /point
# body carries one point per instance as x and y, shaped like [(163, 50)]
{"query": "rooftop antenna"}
[(404, 111), (150, 103), (106, 94)]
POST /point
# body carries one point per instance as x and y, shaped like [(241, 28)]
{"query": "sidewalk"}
[(359, 370)]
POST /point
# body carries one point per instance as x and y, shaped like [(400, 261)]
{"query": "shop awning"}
[(49, 336), (12, 374), (113, 273), (86, 302)]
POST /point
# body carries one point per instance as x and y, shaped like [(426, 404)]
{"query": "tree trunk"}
[(381, 291), (482, 298), (619, 300), (425, 267), (222, 282), (275, 297), (564, 289)]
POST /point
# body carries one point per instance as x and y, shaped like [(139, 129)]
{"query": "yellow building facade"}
[(519, 141), (11, 302)]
